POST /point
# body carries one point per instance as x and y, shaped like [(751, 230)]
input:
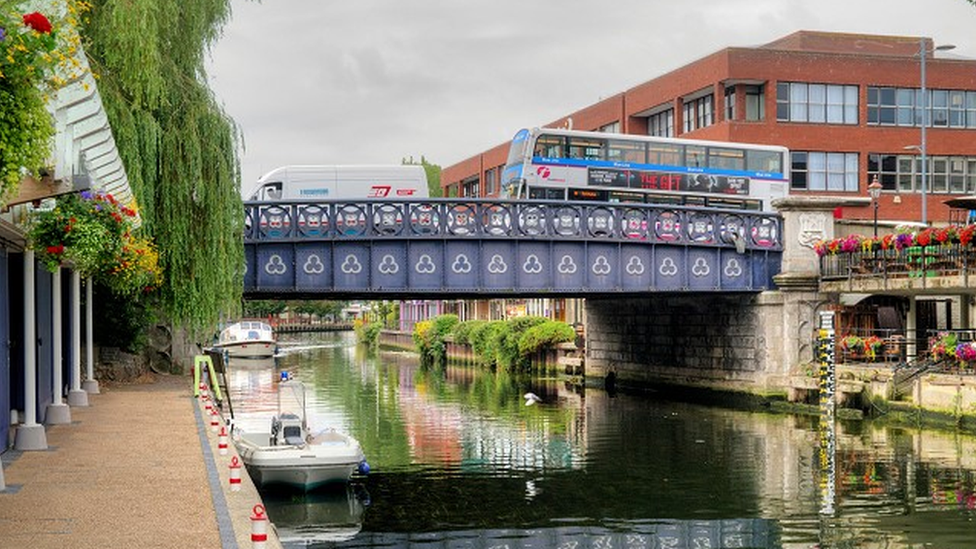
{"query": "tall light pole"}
[(922, 54), (874, 191)]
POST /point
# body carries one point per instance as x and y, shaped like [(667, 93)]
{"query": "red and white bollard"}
[(207, 406), (222, 441), (203, 390), (214, 420), (259, 527), (235, 474)]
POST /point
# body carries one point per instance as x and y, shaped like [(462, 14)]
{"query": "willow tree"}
[(177, 144)]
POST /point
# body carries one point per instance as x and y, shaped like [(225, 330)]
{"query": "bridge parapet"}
[(514, 247)]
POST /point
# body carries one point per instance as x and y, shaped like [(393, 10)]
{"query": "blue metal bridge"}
[(461, 247)]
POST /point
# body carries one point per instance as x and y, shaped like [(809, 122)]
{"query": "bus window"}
[(726, 159), (550, 146), (624, 196), (586, 148), (764, 161), (626, 151), (664, 154), (546, 193), (695, 156)]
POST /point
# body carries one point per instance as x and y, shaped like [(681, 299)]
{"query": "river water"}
[(459, 460)]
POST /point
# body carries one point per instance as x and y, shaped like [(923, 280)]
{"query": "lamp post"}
[(874, 191), (922, 54)]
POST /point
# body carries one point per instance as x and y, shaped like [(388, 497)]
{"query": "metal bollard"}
[(235, 474), (259, 527), (222, 441)]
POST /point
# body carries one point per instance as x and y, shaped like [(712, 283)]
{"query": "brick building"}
[(848, 106)]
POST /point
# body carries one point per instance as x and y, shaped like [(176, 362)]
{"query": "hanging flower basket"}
[(91, 233)]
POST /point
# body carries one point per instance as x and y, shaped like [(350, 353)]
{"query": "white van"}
[(341, 182)]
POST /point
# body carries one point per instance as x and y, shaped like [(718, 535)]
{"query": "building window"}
[(469, 187), (903, 173), (698, 113), (816, 103), (755, 102), (905, 107), (824, 171), (730, 103), (613, 127), (491, 181), (661, 124)]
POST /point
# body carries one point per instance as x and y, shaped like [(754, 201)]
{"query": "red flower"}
[(59, 249), (38, 22)]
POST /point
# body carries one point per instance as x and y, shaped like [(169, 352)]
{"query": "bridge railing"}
[(453, 218)]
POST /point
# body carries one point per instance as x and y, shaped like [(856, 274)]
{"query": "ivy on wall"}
[(177, 144)]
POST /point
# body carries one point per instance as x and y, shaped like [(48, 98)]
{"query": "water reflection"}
[(459, 460)]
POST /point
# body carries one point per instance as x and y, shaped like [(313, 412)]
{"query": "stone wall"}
[(713, 340)]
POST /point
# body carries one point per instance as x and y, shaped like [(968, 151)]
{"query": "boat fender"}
[(363, 467)]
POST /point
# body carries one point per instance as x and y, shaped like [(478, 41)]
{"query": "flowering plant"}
[(852, 344), (872, 346), (93, 234), (37, 55)]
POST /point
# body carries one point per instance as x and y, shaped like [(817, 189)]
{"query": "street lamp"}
[(922, 54), (874, 191)]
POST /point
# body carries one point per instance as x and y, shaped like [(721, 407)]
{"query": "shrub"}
[(464, 332), (545, 335), (367, 333), (429, 336)]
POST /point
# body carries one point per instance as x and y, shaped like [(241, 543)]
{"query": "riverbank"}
[(136, 468)]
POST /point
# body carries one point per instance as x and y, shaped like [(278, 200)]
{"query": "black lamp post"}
[(874, 191)]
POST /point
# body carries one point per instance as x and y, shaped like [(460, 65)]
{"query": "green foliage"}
[(433, 175), (509, 344), (36, 54), (367, 333), (178, 146), (263, 308), (120, 321), (26, 131), (544, 336), (464, 332), (429, 337)]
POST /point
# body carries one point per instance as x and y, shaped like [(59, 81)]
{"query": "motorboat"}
[(248, 339), (288, 454)]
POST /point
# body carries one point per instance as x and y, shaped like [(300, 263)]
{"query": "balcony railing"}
[(910, 262)]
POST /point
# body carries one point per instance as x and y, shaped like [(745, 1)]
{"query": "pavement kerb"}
[(237, 506)]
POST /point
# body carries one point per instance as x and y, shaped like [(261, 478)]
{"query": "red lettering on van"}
[(379, 191), (405, 192)]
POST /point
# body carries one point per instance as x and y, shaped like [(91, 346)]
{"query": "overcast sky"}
[(374, 81)]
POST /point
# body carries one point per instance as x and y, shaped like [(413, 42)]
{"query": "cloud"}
[(373, 81)]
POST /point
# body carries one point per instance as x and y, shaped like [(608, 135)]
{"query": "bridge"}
[(462, 247)]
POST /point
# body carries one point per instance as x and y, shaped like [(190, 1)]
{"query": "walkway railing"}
[(439, 218), (910, 262)]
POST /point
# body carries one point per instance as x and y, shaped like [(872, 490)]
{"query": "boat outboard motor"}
[(275, 429)]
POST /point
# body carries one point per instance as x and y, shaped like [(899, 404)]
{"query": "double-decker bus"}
[(559, 164)]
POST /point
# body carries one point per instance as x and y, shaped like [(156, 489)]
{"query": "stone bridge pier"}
[(746, 342)]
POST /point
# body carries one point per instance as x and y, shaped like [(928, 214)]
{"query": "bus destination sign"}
[(664, 181)]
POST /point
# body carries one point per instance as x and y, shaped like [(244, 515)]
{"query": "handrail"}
[(458, 218), (910, 262)]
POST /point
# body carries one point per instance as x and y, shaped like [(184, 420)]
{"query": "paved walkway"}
[(136, 468)]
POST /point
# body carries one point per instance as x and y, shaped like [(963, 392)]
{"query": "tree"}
[(179, 148), (433, 174)]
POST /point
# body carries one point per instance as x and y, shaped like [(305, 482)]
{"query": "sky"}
[(376, 81)]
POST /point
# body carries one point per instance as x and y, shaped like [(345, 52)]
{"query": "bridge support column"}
[(806, 220)]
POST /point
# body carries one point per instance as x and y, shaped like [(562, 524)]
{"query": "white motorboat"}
[(248, 339), (289, 455)]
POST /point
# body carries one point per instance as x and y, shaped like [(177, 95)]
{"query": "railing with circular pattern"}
[(440, 218)]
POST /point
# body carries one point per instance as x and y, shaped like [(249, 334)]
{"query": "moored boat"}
[(289, 455), (248, 339)]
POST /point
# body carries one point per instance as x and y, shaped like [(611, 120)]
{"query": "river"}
[(459, 459)]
